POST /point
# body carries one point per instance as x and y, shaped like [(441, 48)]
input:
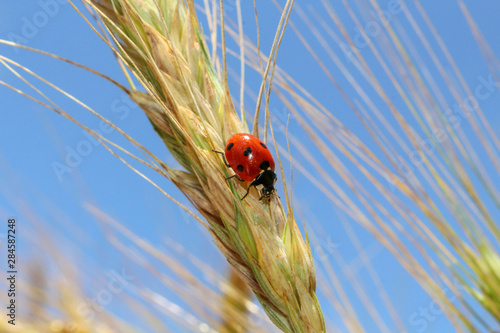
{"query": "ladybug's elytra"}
[(252, 161)]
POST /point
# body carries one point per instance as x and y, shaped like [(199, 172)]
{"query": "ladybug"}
[(251, 161)]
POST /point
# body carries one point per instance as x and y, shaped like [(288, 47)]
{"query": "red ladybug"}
[(251, 161)]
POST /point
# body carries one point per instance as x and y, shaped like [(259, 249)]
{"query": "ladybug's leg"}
[(257, 181), (266, 195), (223, 157), (248, 189), (235, 176)]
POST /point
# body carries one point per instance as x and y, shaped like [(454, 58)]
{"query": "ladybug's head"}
[(267, 179)]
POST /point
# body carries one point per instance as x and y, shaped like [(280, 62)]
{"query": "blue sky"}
[(34, 141)]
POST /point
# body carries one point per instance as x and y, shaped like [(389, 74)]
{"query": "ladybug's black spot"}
[(263, 145), (247, 151), (264, 165), (229, 146), (240, 168)]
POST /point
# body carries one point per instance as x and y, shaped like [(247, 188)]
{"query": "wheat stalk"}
[(191, 109)]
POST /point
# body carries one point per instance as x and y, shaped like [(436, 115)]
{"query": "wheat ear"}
[(192, 111)]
